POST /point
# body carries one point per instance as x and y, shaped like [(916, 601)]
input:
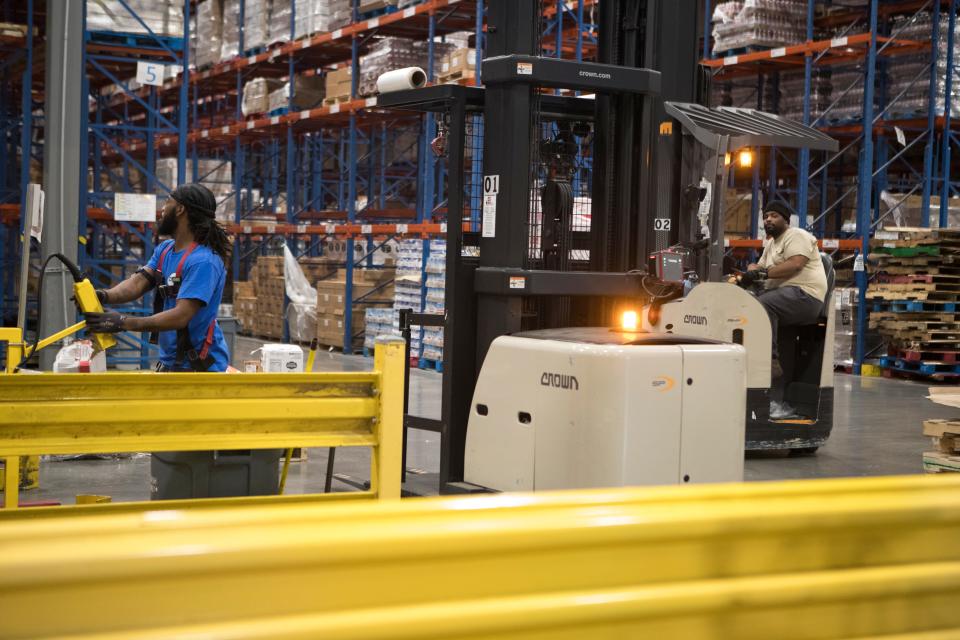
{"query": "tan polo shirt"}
[(796, 242)]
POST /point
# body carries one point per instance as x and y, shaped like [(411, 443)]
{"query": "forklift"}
[(600, 216)]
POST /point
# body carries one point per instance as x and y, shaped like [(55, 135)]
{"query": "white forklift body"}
[(592, 407)]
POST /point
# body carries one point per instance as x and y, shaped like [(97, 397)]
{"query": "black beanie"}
[(780, 207), (196, 197)]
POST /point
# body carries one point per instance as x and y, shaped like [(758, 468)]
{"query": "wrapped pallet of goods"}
[(256, 95), (758, 24), (209, 30), (913, 97), (162, 17), (256, 24), (322, 16), (230, 31), (434, 301)]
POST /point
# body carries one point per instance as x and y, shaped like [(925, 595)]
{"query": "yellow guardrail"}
[(851, 558), (128, 412)]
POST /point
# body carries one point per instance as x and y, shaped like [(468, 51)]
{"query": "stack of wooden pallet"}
[(914, 299), (945, 434)]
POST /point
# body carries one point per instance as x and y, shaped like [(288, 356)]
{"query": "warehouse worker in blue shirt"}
[(188, 274)]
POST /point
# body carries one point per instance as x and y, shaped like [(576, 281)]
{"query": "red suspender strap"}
[(209, 339), (183, 258), (163, 256)]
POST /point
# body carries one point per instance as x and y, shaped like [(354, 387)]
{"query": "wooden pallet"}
[(920, 270), (914, 306), (888, 279), (457, 76), (917, 355), (922, 367), (897, 372), (328, 102), (939, 462)]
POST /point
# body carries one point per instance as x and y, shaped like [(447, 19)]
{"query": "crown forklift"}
[(563, 364)]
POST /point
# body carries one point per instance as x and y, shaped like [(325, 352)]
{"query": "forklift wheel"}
[(803, 451)]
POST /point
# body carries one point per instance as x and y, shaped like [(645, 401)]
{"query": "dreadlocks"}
[(201, 206)]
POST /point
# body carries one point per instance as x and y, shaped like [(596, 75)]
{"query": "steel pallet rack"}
[(18, 125), (339, 150), (923, 161), (120, 128)]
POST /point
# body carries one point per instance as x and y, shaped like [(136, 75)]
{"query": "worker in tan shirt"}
[(794, 285)]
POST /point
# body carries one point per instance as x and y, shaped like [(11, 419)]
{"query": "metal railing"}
[(131, 412), (849, 558)]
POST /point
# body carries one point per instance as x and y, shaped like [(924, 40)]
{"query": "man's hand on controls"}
[(106, 322), (752, 276), (102, 296)]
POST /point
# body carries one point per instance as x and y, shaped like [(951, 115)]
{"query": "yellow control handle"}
[(88, 302)]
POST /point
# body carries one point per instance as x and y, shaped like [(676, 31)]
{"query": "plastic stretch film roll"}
[(401, 79)]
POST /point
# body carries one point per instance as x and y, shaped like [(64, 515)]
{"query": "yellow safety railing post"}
[(11, 479), (13, 337), (118, 412), (387, 458), (796, 560)]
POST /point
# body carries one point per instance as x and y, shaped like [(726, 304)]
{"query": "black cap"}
[(780, 207), (196, 197)]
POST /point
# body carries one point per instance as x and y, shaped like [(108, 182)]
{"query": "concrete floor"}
[(877, 431)]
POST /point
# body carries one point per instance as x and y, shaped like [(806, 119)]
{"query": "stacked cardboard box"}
[(371, 286), (316, 269), (337, 85), (269, 284), (459, 64), (307, 94), (245, 304)]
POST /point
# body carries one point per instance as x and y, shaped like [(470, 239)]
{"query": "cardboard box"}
[(330, 328), (244, 289), (281, 358), (338, 82), (331, 296), (462, 61), (244, 306), (316, 269)]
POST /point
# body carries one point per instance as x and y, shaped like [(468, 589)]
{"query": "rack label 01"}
[(491, 187)]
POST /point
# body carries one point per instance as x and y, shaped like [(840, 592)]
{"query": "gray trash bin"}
[(230, 326), (177, 475)]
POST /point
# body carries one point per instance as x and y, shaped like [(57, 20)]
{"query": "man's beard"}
[(168, 224)]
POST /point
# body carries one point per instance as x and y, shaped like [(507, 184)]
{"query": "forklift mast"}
[(647, 53)]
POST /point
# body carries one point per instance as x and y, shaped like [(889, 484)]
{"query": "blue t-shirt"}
[(202, 278)]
